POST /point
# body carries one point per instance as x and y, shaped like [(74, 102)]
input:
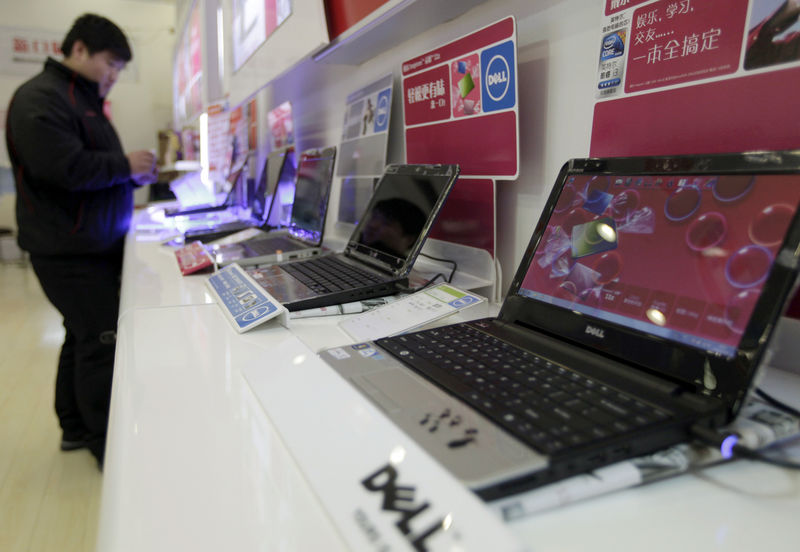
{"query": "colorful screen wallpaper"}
[(682, 257)]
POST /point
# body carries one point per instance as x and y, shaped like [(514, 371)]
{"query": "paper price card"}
[(243, 301), (410, 312)]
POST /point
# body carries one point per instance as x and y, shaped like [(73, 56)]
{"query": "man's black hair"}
[(98, 33)]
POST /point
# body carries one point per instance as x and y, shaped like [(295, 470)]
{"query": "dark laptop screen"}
[(312, 187), (680, 257), (398, 214), (278, 164)]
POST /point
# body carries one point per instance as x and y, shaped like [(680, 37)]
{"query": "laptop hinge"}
[(372, 262)]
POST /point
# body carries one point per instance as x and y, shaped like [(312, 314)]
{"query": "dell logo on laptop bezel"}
[(594, 331)]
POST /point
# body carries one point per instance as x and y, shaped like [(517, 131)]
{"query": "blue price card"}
[(243, 301)]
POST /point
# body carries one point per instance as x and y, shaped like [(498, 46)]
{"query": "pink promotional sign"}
[(693, 76), (674, 42), (460, 103), (467, 216), (697, 76), (281, 126), (189, 69), (614, 6)]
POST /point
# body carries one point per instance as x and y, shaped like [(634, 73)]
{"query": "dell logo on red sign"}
[(498, 76), (498, 89)]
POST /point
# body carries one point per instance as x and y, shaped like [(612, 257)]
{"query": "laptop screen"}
[(277, 164), (681, 257), (311, 191), (401, 211)]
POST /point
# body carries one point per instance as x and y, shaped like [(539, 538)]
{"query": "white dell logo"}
[(496, 78), (596, 332), (497, 83)]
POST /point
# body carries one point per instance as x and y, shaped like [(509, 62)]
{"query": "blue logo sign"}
[(498, 88), (463, 301), (255, 314), (613, 46), (382, 111)]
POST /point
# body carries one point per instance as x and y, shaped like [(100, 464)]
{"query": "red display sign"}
[(343, 14), (189, 69), (427, 97), (460, 103), (673, 78), (715, 117), (614, 6), (674, 42), (281, 127), (465, 217)]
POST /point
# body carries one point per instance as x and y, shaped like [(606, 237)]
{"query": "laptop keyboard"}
[(547, 406), (328, 274), (270, 246)]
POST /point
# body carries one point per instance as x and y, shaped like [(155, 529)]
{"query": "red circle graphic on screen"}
[(732, 187), (707, 230), (608, 266), (737, 311), (682, 203), (749, 266), (574, 218), (769, 226)]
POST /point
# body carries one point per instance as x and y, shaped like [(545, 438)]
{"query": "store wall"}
[(141, 102), (558, 43)]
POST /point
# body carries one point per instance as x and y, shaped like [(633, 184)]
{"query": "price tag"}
[(243, 301), (409, 312)]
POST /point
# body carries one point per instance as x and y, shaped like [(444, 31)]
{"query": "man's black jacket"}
[(74, 187)]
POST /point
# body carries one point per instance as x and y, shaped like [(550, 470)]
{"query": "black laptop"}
[(279, 167), (303, 235), (381, 251), (641, 309)]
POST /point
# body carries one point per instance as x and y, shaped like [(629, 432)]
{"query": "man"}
[(74, 204)]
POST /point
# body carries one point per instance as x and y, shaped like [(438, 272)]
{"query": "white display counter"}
[(226, 441)]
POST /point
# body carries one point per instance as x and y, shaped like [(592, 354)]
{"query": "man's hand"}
[(143, 166)]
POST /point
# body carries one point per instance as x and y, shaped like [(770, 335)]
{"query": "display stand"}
[(227, 441)]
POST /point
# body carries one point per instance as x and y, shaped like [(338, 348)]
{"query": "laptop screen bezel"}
[(401, 266), (705, 372), (295, 230)]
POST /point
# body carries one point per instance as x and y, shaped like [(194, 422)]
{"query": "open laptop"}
[(279, 167), (188, 208), (381, 251), (303, 237), (641, 309)]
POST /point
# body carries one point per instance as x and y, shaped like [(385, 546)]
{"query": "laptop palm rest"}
[(475, 450)]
